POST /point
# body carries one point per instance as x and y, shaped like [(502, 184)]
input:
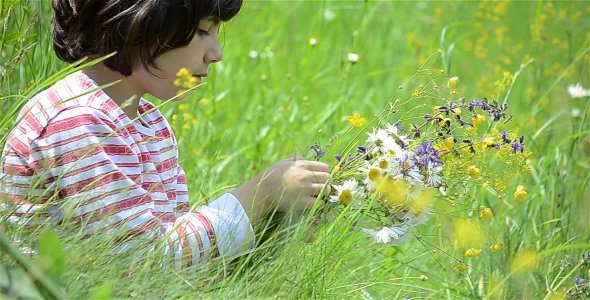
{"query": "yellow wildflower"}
[(462, 267), (416, 93), (444, 122), (453, 82), (356, 120), (477, 119), (468, 233), (487, 142), (486, 213), (204, 102), (184, 79), (524, 260), (473, 171), (450, 142), (472, 252), (520, 193), (435, 110), (183, 107), (497, 246)]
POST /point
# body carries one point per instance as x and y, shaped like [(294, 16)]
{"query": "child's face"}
[(196, 57)]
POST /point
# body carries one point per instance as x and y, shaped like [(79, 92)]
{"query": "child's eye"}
[(202, 32)]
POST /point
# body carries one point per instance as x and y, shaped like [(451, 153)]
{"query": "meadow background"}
[(275, 94)]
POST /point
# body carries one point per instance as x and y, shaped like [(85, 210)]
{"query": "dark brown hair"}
[(139, 30)]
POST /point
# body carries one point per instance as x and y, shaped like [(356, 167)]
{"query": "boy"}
[(108, 159)]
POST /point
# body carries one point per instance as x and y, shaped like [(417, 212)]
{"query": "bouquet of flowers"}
[(394, 178)]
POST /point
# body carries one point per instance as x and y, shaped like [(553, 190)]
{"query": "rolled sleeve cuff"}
[(231, 225)]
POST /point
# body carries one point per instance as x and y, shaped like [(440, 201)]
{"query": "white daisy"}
[(253, 54), (433, 177), (371, 168), (394, 131), (410, 219), (345, 192), (577, 91), (393, 235), (353, 57), (329, 15)]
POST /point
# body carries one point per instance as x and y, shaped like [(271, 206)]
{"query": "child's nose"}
[(214, 55)]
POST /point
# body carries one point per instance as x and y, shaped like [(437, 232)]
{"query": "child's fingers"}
[(316, 166), (316, 188), (320, 177)]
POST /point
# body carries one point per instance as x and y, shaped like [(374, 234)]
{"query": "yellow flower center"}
[(383, 164), (374, 174), (391, 153), (345, 197), (406, 165)]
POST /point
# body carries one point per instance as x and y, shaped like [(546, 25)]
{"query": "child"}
[(108, 159)]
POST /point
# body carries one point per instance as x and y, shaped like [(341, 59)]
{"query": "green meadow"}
[(287, 82)]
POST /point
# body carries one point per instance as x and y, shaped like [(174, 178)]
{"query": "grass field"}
[(275, 94)]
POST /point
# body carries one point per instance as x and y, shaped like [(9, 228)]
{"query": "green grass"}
[(265, 109)]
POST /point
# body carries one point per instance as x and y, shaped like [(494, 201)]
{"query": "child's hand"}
[(292, 183)]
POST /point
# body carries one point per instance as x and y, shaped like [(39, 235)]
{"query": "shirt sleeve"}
[(220, 228), (90, 172)]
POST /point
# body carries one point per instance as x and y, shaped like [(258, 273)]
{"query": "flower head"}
[(389, 235), (473, 171), (462, 267), (184, 79), (497, 246), (318, 151), (353, 58), (472, 252), (577, 91), (520, 193), (524, 260), (345, 192), (485, 213), (477, 119), (356, 120), (453, 82), (313, 42)]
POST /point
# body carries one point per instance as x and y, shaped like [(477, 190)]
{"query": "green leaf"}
[(51, 255), (15, 284), (103, 292)]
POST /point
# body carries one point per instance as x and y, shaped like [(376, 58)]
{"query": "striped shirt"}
[(75, 155)]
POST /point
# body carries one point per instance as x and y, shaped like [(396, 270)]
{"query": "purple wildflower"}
[(516, 146), (579, 281), (338, 157), (427, 155), (318, 152), (362, 150)]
